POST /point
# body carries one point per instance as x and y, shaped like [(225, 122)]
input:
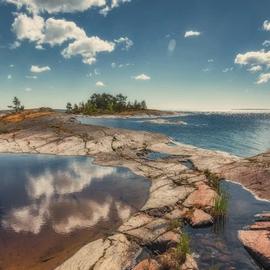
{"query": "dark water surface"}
[(242, 134), (218, 247), (50, 206)]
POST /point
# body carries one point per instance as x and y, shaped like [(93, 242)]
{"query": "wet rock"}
[(253, 173), (257, 241), (115, 252), (190, 264), (261, 225), (200, 219), (147, 265)]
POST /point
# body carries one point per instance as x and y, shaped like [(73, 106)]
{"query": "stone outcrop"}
[(200, 219), (256, 239), (179, 185), (253, 173)]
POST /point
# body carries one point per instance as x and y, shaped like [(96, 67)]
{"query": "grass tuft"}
[(182, 248), (213, 180), (175, 224), (221, 205)]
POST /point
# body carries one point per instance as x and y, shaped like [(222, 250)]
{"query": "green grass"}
[(175, 224), (221, 204), (182, 248), (213, 180)]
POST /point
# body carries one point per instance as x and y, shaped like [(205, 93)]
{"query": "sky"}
[(175, 54)]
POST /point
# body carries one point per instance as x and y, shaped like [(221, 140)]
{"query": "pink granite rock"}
[(199, 218), (257, 241), (147, 265), (203, 197)]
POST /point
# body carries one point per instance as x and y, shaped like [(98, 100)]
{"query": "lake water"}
[(242, 134), (50, 206), (218, 246)]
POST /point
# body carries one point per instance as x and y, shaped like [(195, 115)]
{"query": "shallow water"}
[(50, 206), (218, 246), (242, 134)]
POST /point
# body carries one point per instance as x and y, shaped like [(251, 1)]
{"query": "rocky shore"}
[(180, 190), (256, 239)]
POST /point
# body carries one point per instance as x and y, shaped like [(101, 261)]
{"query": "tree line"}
[(105, 103)]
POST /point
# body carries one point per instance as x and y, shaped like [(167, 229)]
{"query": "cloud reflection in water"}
[(74, 196)]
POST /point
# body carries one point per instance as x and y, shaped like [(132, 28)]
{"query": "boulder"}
[(257, 241), (203, 197), (147, 265), (200, 219)]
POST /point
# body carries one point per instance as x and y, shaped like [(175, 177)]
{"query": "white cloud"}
[(113, 65), (266, 25), (96, 72), (28, 89), (253, 58), (56, 6), (172, 45), (51, 31), (39, 47), (263, 78), (100, 84), (210, 60), (227, 70), (255, 69), (142, 77), (266, 43), (37, 69), (125, 42), (114, 4), (58, 31), (9, 76), (66, 6), (88, 48), (11, 66), (30, 28), (31, 77), (16, 44), (192, 33)]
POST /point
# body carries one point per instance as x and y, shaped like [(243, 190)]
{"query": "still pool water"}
[(51, 206), (218, 246), (242, 134)]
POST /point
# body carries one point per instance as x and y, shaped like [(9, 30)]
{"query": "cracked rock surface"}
[(179, 185)]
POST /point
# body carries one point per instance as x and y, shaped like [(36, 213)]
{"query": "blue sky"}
[(175, 54)]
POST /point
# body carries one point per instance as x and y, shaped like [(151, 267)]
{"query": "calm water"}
[(242, 134), (219, 247), (50, 206)]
